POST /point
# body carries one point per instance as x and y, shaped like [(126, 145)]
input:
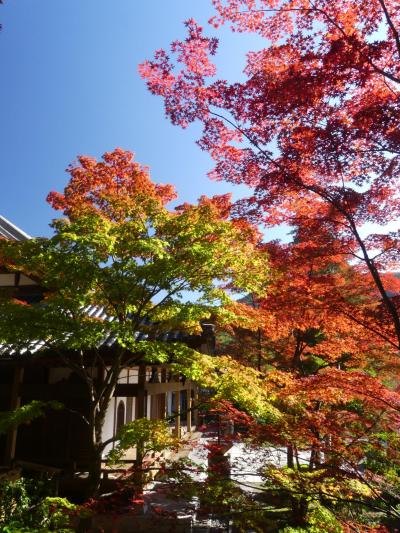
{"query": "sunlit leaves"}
[(152, 270), (25, 414), (313, 127), (150, 435)]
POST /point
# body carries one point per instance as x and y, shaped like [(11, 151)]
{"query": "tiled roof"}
[(12, 232), (8, 352)]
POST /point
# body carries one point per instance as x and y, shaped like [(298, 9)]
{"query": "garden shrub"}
[(25, 507)]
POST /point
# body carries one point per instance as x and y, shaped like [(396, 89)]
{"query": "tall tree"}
[(314, 127), (121, 249), (329, 375)]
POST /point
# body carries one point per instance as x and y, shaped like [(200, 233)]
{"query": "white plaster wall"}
[(108, 427), (169, 403), (24, 280), (134, 375), (123, 376), (132, 401), (129, 375), (133, 408), (7, 280), (148, 410)]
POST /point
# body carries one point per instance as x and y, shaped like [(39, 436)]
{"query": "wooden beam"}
[(162, 406), (178, 414), (56, 391), (64, 390), (126, 390), (158, 388), (195, 413), (140, 397), (189, 404)]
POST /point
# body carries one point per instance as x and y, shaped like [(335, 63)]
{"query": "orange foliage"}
[(109, 186), (313, 129)]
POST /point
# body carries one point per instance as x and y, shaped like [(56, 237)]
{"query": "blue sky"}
[(70, 86)]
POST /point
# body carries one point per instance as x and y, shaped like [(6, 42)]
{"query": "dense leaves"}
[(313, 130), (151, 435), (141, 267), (313, 127), (25, 414)]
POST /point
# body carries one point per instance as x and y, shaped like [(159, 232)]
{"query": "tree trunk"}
[(139, 474), (299, 510), (290, 456), (96, 453), (94, 478)]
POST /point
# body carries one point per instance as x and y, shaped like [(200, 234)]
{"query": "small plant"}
[(148, 435), (25, 507)]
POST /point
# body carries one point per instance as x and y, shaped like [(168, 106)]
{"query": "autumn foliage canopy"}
[(307, 358), (313, 129)]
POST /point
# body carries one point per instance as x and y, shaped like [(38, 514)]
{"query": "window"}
[(120, 416)]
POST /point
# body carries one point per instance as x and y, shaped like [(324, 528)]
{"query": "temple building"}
[(60, 438)]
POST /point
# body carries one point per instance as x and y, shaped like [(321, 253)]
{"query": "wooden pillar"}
[(141, 397), (162, 406), (15, 402), (189, 404), (178, 414), (195, 402)]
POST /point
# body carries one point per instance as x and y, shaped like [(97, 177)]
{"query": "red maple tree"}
[(314, 127), (314, 131)]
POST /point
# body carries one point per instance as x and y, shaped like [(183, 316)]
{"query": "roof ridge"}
[(11, 231)]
